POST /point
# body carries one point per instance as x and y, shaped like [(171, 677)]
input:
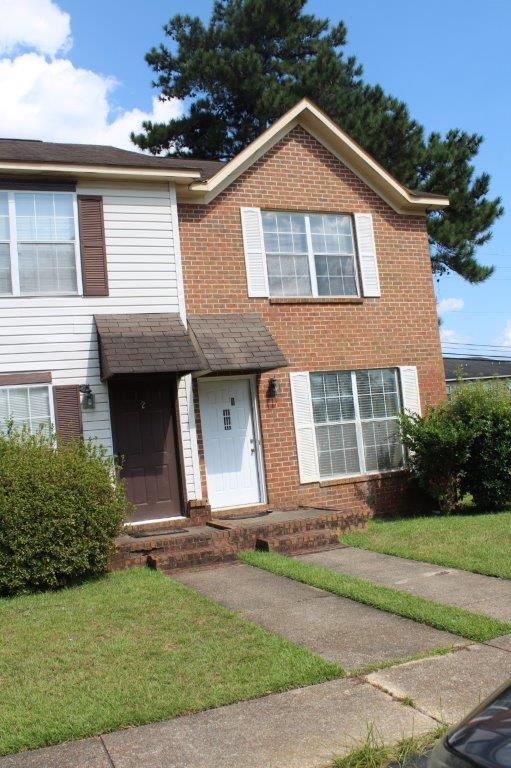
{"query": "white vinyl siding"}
[(39, 253), (26, 407), (58, 334)]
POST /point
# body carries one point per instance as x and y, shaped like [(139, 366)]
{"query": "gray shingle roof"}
[(26, 151), (236, 342), (145, 343), (475, 368)]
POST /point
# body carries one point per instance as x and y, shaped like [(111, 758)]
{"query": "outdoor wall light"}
[(273, 388), (88, 400)]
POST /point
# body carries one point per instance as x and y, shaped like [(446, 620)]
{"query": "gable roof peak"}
[(317, 123)]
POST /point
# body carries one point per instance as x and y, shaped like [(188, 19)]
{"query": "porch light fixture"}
[(88, 399), (273, 388)]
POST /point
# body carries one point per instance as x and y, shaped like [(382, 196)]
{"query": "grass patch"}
[(470, 625), (472, 542), (132, 648), (374, 754)]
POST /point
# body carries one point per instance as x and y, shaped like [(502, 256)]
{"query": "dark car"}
[(481, 740)]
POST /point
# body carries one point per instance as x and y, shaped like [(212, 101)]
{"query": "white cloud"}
[(505, 338), (450, 305), (55, 101), (37, 24), (45, 96), (454, 337)]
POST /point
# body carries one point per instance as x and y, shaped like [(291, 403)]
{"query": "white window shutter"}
[(410, 389), (255, 259), (367, 254), (304, 427)]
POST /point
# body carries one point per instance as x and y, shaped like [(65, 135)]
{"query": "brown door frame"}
[(172, 380)]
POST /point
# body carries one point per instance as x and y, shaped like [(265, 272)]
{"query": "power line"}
[(482, 346)]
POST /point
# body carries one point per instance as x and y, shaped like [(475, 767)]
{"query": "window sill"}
[(316, 300), (363, 478)]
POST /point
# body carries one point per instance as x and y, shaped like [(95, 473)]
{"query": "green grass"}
[(374, 754), (473, 542), (134, 647), (470, 625)]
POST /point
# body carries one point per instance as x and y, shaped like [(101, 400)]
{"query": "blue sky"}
[(448, 60)]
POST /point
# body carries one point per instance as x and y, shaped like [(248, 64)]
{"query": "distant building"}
[(459, 370)]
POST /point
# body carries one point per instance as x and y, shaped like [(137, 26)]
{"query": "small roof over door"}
[(236, 342), (146, 343)]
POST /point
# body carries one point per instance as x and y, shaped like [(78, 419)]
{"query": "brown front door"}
[(145, 442)]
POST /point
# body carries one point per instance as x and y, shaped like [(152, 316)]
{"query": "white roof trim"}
[(319, 125), (103, 171)]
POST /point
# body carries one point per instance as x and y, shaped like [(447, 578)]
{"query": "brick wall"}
[(400, 328)]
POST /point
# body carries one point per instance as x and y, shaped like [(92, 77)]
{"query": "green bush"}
[(464, 447), (60, 510)]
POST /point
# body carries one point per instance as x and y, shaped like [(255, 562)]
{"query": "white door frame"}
[(261, 479)]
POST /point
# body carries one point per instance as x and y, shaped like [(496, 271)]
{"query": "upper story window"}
[(310, 254), (38, 244)]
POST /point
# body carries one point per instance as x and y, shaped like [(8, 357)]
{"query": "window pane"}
[(5, 269), (382, 445), (288, 275), (337, 450), (25, 407), (332, 397), (44, 217), (331, 234), (4, 217), (284, 232), (47, 269), (336, 275), (377, 393)]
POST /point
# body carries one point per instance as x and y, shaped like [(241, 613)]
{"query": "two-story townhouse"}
[(241, 334), (304, 233)]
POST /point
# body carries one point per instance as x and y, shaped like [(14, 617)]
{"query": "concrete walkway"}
[(482, 594), (337, 629), (303, 728)]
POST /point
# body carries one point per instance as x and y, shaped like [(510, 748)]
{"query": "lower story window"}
[(356, 418), (25, 406)]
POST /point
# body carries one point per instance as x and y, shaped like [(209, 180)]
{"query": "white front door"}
[(230, 447)]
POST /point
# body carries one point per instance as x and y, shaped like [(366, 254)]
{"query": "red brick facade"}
[(399, 328)]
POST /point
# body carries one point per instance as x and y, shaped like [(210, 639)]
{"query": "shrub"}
[(60, 510), (464, 447), (486, 412), (438, 454)]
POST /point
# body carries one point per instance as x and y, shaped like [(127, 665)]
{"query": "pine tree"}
[(256, 58)]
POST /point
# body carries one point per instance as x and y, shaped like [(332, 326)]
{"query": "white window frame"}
[(38, 386), (311, 258), (13, 246), (358, 421)]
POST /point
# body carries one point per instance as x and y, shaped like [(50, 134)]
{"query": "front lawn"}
[(448, 618), (132, 648), (473, 542)]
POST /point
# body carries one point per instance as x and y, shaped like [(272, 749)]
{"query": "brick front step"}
[(302, 541), (289, 532)]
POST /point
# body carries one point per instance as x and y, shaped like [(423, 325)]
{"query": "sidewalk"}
[(481, 594), (338, 629)]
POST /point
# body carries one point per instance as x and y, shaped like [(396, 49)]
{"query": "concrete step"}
[(301, 541)]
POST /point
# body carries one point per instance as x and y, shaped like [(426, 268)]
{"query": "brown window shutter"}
[(68, 412), (92, 245)]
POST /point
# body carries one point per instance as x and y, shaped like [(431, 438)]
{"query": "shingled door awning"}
[(236, 342), (146, 343)]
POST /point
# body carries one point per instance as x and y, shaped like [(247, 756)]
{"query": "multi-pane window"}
[(23, 406), (356, 417), (38, 248), (309, 254)]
